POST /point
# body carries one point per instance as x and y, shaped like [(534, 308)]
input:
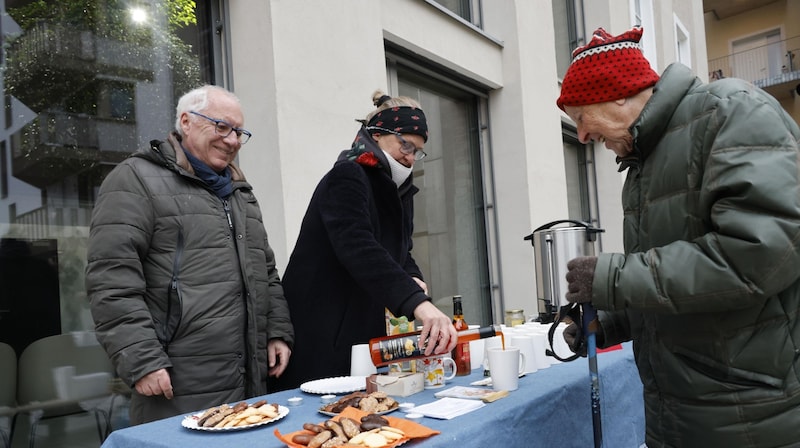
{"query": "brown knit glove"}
[(579, 276)]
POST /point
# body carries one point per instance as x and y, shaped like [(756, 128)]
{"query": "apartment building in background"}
[(757, 40)]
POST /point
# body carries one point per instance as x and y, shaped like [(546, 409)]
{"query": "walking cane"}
[(590, 328)]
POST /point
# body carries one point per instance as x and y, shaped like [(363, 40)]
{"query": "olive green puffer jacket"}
[(154, 217), (708, 288)]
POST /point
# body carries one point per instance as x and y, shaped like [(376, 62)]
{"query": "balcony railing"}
[(43, 222), (765, 66), (60, 44), (59, 144)]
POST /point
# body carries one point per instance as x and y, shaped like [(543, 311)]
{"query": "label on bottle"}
[(400, 348), (462, 358)]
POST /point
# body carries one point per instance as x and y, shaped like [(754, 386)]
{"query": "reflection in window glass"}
[(85, 82)]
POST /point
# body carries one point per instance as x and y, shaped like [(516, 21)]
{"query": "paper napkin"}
[(447, 408)]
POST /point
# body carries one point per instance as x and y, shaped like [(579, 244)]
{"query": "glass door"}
[(450, 238)]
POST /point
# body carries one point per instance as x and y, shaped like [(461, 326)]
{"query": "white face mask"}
[(400, 172)]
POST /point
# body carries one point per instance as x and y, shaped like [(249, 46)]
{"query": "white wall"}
[(526, 141), (306, 69)]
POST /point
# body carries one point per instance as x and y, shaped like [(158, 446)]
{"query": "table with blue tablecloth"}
[(551, 408)]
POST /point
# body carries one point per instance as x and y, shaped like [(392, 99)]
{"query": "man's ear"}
[(375, 136), (621, 101)]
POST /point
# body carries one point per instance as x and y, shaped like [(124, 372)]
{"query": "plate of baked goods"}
[(235, 417), (371, 403), (335, 385), (353, 427)]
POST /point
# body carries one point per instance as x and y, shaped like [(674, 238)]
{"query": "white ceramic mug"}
[(360, 361), (525, 345), (540, 353), (433, 370), (506, 367)]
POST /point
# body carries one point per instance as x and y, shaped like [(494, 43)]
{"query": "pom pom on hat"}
[(608, 68)]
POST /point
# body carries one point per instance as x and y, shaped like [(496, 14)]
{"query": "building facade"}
[(760, 43), (85, 87)]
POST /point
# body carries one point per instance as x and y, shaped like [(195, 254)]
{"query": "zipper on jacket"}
[(226, 206), (174, 311)]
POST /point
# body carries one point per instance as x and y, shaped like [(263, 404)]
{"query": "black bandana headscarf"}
[(400, 119)]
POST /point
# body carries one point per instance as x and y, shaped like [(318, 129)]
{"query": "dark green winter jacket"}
[(708, 287), (161, 245)]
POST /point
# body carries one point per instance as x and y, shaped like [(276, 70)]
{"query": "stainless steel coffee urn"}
[(553, 247)]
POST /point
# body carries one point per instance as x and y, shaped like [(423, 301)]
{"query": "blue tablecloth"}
[(552, 408)]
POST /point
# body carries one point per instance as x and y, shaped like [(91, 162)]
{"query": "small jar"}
[(514, 318)]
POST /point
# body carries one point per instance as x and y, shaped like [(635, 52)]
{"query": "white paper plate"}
[(336, 385), (190, 421)]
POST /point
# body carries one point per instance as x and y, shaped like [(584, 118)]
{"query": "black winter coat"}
[(351, 260)]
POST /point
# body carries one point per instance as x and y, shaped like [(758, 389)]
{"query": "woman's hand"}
[(437, 329)]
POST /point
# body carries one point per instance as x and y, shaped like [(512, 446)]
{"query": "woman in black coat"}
[(352, 257)]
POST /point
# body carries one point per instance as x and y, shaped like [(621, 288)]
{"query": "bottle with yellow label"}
[(386, 350)]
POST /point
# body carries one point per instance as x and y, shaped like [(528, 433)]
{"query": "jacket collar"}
[(648, 129), (363, 143), (172, 153)]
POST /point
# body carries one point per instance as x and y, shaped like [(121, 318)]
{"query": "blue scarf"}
[(220, 183)]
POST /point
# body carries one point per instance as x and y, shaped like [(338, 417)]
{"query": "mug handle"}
[(453, 368), (521, 363)]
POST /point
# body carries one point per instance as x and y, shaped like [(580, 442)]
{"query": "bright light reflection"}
[(138, 14)]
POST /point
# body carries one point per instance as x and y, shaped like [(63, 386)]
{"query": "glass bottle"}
[(461, 353), (386, 350)]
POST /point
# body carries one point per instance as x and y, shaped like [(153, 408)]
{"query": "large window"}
[(450, 238), (568, 26), (85, 83), (579, 166), (469, 10), (642, 15)]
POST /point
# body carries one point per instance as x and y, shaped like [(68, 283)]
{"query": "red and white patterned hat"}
[(608, 68)]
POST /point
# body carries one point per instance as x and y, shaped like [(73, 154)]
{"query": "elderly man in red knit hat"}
[(708, 288)]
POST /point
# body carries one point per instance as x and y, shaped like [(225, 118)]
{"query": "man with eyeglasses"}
[(184, 291), (352, 258)]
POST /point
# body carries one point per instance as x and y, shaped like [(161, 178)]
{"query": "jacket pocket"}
[(730, 375), (165, 330)]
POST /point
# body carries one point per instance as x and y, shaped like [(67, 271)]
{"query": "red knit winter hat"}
[(606, 69)]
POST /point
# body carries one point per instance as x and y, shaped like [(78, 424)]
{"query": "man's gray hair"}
[(197, 100)]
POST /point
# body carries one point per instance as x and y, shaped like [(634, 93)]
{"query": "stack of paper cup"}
[(360, 361), (476, 351), (491, 342), (525, 345)]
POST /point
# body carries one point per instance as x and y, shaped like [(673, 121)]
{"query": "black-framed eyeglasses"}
[(406, 147), (223, 129)]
